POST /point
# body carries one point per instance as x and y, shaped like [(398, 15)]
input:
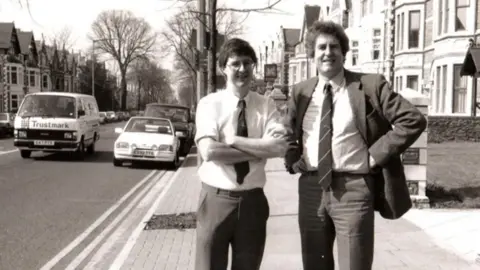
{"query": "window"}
[(13, 78), (412, 82), (377, 42), (45, 81), (294, 75), (14, 103), (303, 71), (459, 90), (461, 14), (397, 33), (440, 17), (446, 17), (354, 53), (440, 88), (402, 23), (31, 78), (414, 29), (364, 4)]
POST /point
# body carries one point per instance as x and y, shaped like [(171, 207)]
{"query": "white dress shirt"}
[(349, 150), (217, 115)]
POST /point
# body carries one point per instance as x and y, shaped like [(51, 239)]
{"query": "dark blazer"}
[(376, 108)]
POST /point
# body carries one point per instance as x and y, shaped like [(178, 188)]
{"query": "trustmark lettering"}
[(36, 124)]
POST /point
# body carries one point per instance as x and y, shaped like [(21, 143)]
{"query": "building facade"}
[(416, 44), (29, 66)]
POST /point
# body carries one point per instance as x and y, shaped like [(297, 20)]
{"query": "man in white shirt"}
[(237, 130), (343, 144)]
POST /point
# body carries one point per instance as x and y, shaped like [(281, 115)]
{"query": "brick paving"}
[(399, 245)]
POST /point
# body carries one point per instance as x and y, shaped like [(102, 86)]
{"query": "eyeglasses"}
[(235, 65)]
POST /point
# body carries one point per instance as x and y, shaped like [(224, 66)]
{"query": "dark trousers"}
[(233, 218), (345, 212)]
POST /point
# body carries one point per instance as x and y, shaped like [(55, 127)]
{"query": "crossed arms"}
[(233, 149)]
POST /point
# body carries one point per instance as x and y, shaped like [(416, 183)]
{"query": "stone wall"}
[(453, 128)]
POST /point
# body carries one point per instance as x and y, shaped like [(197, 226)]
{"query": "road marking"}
[(97, 223), (8, 152), (118, 219), (123, 255), (131, 221)]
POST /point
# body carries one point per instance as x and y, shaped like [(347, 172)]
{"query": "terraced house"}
[(28, 65)]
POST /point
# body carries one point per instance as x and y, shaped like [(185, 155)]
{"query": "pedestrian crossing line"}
[(50, 264), (8, 152)]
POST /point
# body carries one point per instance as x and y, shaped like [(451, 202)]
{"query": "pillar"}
[(415, 157)]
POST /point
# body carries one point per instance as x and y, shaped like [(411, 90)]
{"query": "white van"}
[(57, 122)]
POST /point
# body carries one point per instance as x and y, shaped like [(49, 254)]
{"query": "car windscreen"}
[(159, 126), (48, 106), (175, 114)]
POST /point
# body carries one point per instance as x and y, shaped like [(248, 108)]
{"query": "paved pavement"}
[(399, 244), (48, 200)]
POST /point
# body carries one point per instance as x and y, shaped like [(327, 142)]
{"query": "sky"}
[(49, 16)]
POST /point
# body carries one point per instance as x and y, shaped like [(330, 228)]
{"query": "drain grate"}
[(172, 221)]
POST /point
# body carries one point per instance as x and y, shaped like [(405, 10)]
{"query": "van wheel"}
[(91, 148), (25, 153), (80, 153)]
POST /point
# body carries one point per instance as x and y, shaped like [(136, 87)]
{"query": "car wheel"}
[(80, 153), (176, 162), (25, 153), (91, 148), (117, 162)]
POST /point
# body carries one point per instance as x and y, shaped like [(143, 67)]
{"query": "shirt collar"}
[(336, 82), (233, 99)]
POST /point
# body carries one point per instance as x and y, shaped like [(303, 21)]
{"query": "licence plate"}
[(143, 153), (44, 143)]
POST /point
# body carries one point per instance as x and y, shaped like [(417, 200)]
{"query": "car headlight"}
[(70, 135), (165, 147), (20, 133), (122, 145), (180, 133)]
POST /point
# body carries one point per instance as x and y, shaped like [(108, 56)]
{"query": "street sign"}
[(270, 72)]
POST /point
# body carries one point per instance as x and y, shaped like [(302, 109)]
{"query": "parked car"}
[(147, 139), (6, 124), (182, 121), (103, 117), (111, 117)]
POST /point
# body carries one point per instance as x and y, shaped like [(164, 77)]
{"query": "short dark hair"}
[(235, 46), (326, 28)]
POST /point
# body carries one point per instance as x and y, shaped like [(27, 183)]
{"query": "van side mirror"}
[(81, 113)]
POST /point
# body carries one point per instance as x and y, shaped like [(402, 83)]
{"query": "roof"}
[(471, 63), (167, 105), (6, 34), (25, 39), (63, 94), (291, 36), (311, 14)]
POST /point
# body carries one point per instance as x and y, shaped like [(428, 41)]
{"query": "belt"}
[(232, 193), (338, 174)]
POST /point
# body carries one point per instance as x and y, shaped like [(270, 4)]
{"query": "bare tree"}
[(62, 38), (176, 39), (125, 38), (153, 82), (212, 55)]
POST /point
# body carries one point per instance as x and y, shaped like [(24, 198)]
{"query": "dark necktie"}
[(242, 168), (325, 160)]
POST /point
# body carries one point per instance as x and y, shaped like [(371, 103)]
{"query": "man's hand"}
[(300, 166), (230, 139)]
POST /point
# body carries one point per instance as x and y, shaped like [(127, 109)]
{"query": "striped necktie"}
[(242, 168), (325, 160)]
